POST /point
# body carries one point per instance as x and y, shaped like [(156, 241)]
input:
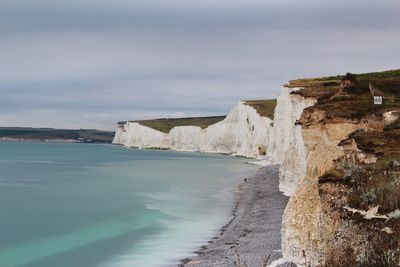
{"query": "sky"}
[(91, 63)]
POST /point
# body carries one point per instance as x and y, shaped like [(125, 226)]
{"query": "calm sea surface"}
[(103, 205)]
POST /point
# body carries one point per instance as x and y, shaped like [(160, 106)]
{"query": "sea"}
[(82, 205)]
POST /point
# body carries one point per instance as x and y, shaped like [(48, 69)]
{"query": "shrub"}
[(378, 191), (352, 172), (394, 215), (372, 186), (379, 258), (393, 163), (388, 195), (382, 251), (369, 197)]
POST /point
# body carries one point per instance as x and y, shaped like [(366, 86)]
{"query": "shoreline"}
[(59, 141), (253, 235)]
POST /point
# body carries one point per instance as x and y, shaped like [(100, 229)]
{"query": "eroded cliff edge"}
[(350, 149)]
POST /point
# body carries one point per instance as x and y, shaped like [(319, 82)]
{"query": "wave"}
[(36, 250)]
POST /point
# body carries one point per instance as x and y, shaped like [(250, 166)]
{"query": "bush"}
[(353, 173), (379, 191), (393, 163), (372, 187), (394, 215), (380, 252), (369, 197), (388, 191), (379, 258)]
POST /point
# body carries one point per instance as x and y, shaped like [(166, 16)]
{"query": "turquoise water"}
[(103, 205)]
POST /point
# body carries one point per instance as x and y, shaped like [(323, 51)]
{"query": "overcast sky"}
[(90, 63)]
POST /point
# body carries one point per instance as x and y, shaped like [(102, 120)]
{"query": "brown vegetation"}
[(265, 108), (384, 144), (358, 241), (361, 185), (357, 101), (165, 125)]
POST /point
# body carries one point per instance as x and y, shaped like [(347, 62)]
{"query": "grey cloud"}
[(208, 16), (91, 63)]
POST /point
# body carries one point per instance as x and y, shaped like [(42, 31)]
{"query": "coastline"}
[(253, 235), (50, 140), (32, 140)]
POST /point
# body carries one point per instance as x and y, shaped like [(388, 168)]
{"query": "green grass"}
[(41, 134), (165, 125), (336, 79), (264, 107)]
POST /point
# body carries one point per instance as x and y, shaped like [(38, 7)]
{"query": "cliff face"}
[(286, 141), (243, 132), (132, 134), (305, 231), (335, 129)]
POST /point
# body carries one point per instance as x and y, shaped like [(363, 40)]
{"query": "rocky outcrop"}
[(243, 133), (310, 153), (304, 229)]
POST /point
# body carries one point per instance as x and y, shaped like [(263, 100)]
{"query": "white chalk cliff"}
[(286, 144), (305, 152), (132, 134), (243, 133)]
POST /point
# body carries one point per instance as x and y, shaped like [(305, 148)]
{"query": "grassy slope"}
[(354, 105), (359, 105), (165, 125), (83, 135), (264, 107)]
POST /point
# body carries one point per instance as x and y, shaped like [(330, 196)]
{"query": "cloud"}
[(92, 63)]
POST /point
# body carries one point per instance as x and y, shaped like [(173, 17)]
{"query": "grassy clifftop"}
[(264, 108), (355, 101), (165, 125), (46, 134)]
